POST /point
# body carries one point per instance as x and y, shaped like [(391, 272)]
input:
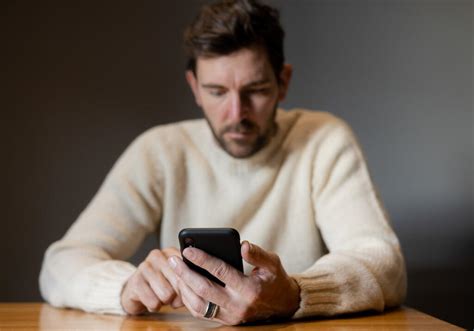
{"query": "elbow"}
[(388, 268), (49, 284), (46, 285), (384, 260), (396, 281)]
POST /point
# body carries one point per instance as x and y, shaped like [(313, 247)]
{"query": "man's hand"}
[(268, 292), (153, 285)]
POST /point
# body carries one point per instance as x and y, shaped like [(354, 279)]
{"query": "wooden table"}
[(39, 316)]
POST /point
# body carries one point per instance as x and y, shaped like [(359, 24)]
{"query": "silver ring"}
[(211, 310)]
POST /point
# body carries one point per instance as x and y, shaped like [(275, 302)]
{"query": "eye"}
[(258, 91), (216, 92)]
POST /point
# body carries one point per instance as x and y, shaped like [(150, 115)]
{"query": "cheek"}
[(214, 112), (213, 105), (264, 109), (265, 103)]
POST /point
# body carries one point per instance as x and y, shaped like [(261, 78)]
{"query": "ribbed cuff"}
[(319, 294), (98, 288), (338, 284)]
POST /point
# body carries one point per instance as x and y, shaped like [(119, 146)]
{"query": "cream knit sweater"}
[(306, 196)]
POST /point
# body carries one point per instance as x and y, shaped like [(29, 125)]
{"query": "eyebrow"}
[(249, 85)]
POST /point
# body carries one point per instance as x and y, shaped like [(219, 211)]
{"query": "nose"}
[(238, 108)]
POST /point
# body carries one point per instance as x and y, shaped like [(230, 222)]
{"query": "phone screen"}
[(223, 243)]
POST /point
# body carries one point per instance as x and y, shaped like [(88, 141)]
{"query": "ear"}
[(285, 78), (193, 84)]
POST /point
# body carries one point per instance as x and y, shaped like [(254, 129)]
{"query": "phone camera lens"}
[(189, 242)]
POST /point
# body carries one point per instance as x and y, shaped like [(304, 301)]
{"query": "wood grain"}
[(40, 316)]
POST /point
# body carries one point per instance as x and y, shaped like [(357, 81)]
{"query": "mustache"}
[(243, 126)]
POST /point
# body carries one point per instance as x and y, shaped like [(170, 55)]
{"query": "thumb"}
[(259, 257)]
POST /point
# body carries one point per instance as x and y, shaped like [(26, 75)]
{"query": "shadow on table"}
[(52, 318)]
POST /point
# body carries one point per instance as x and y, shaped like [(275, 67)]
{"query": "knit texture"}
[(306, 196)]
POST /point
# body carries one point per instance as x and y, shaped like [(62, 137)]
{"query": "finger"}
[(134, 307), (147, 296), (199, 284), (130, 301), (158, 283), (167, 271), (177, 302), (259, 257), (218, 268), (170, 251), (191, 300), (159, 262), (195, 304)]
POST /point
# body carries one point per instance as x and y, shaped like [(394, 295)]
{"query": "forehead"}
[(238, 67)]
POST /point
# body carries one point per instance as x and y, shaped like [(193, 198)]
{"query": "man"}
[(295, 185)]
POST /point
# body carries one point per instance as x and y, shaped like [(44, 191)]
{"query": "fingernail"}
[(172, 262), (250, 247), (188, 253)]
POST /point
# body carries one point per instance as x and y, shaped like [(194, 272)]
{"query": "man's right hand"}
[(153, 285)]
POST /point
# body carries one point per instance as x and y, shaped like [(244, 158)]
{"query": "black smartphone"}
[(223, 243)]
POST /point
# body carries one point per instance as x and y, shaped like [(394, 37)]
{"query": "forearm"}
[(86, 268), (370, 277), (364, 269), (87, 280)]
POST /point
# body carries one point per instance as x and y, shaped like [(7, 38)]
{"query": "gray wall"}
[(81, 80)]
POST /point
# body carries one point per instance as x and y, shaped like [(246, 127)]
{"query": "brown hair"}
[(226, 26)]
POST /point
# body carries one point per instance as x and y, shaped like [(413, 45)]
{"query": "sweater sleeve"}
[(86, 268), (364, 268)]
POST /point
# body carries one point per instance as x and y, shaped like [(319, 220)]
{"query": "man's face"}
[(239, 94)]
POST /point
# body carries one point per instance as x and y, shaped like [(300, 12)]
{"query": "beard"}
[(243, 148)]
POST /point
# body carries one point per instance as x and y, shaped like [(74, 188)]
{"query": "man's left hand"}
[(268, 292)]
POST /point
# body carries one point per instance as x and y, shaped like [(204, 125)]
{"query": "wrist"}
[(295, 297), (122, 297), (292, 301)]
